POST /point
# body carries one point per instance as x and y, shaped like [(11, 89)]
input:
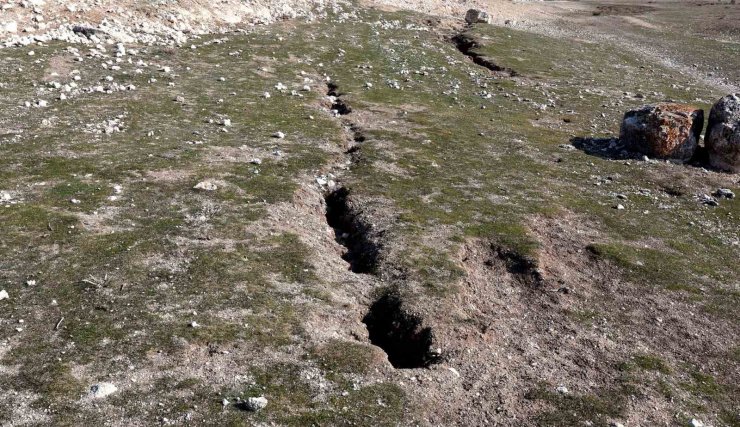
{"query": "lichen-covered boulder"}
[(723, 134), (475, 16), (663, 131)]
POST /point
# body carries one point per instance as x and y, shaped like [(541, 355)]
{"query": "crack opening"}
[(338, 106), (399, 333), (468, 45), (351, 232)]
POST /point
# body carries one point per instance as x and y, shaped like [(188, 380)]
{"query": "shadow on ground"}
[(606, 148)]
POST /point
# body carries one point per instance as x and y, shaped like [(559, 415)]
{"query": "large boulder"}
[(475, 16), (664, 131), (723, 134)]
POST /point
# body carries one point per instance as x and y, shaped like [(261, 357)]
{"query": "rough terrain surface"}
[(370, 214)]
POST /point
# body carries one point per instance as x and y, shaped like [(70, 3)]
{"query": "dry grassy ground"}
[(418, 226)]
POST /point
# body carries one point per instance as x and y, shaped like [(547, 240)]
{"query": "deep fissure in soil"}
[(351, 232), (467, 45), (338, 105), (400, 334)]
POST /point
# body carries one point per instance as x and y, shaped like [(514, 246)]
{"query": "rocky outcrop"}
[(723, 134), (475, 16), (663, 131)]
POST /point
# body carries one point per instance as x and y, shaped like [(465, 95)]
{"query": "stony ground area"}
[(378, 218)]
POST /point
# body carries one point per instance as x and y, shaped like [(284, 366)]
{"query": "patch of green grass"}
[(344, 357), (646, 362), (703, 385), (571, 409)]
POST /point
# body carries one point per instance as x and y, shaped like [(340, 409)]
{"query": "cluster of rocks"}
[(26, 22), (673, 132)]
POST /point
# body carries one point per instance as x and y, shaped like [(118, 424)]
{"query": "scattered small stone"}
[(205, 186), (101, 390), (708, 200), (255, 404)]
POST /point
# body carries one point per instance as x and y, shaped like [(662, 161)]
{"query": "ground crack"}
[(352, 232), (468, 45), (399, 333)]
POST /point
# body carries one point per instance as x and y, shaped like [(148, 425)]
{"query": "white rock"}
[(9, 27), (4, 295), (256, 403), (278, 135), (266, 95), (562, 389), (101, 390), (696, 423), (206, 186)]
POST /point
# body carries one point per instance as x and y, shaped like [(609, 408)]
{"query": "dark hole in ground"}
[(341, 107), (399, 334), (467, 45), (357, 133), (351, 232), (523, 267)]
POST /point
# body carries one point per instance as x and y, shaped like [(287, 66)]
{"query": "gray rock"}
[(255, 403), (206, 186), (475, 16), (723, 134), (724, 193)]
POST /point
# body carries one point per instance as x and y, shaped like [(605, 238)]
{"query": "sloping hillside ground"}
[(397, 235)]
